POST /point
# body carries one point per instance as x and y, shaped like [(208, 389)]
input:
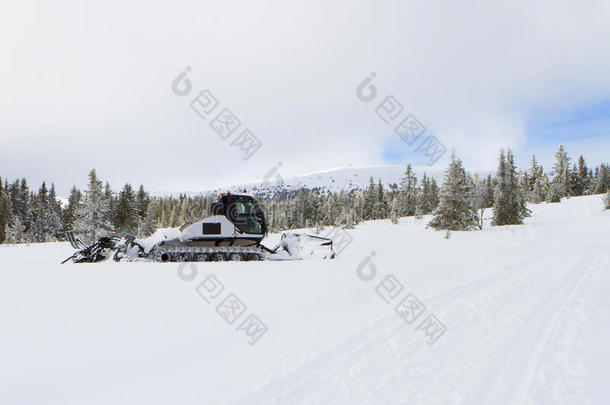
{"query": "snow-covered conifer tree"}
[(481, 198), (602, 179), (54, 220), (16, 231), (509, 201), (90, 216), (434, 193), (381, 209), (69, 212), (109, 197), (537, 183), (5, 212), (148, 225), (561, 173), (455, 210), (395, 210), (579, 182), (490, 184), (370, 197), (142, 201), (329, 209), (37, 214), (408, 192), (426, 201), (126, 220)]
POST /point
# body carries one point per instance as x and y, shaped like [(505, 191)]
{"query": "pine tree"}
[(70, 210), (54, 220), (589, 182), (109, 200), (580, 178), (370, 195), (92, 211), (426, 197), (142, 202), (5, 212), (481, 198), (395, 210), (490, 185), (16, 232), (555, 192), (455, 211), (509, 201), (329, 209), (607, 200), (381, 204), (45, 215), (601, 180), (536, 183), (347, 219), (163, 221), (408, 192), (434, 193), (38, 214), (522, 181), (158, 204), (20, 201), (148, 224), (126, 220), (24, 200), (173, 218), (561, 173)]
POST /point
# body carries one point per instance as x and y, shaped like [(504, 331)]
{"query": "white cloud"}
[(88, 85)]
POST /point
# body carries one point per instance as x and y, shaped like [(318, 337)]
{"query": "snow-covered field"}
[(526, 311)]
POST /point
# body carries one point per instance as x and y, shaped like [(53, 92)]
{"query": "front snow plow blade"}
[(298, 246)]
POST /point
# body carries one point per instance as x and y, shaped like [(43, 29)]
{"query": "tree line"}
[(458, 203)]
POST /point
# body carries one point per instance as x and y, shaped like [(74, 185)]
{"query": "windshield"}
[(245, 213)]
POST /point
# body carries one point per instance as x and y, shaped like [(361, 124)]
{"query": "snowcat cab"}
[(237, 220)]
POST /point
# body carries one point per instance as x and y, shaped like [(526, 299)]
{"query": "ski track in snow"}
[(511, 371), (484, 306)]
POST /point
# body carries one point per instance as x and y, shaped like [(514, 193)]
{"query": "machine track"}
[(207, 254)]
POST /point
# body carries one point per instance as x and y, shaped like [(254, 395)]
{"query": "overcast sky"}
[(88, 84)]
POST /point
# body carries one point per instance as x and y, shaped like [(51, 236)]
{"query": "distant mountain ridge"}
[(335, 180), (332, 180)]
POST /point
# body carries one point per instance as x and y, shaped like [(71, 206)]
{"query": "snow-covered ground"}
[(526, 312)]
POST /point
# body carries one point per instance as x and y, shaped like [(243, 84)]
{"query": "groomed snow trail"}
[(526, 310), (500, 326), (498, 329)]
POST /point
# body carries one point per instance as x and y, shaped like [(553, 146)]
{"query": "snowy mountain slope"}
[(337, 179), (334, 180), (526, 311)]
